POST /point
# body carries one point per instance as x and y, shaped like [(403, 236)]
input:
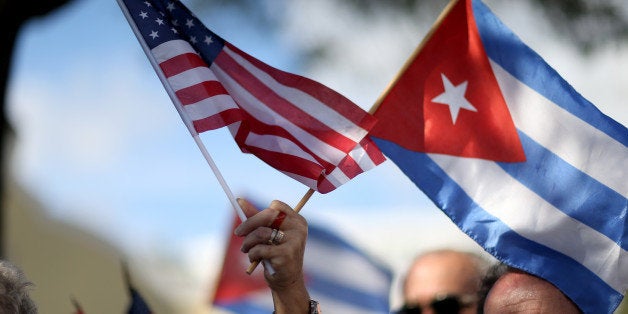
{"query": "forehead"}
[(518, 292), (444, 273)]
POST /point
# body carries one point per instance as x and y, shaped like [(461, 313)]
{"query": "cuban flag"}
[(520, 161), (343, 278)]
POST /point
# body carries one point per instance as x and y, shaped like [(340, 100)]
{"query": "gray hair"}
[(14, 290)]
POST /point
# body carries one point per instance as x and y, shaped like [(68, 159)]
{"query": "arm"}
[(287, 284)]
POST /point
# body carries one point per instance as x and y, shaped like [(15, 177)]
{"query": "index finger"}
[(258, 219), (248, 208)]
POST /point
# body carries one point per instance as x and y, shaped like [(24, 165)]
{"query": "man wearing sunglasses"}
[(443, 282)]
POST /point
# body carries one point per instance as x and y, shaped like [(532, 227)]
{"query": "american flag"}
[(296, 125)]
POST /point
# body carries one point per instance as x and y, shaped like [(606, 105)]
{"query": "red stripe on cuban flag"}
[(206, 102)]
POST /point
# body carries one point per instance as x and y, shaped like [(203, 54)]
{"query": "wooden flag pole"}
[(303, 200), (297, 208)]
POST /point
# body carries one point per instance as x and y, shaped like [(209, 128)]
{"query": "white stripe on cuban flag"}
[(559, 213), (532, 217), (534, 115)]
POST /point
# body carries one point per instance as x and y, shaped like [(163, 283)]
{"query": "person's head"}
[(514, 291), (442, 281), (14, 291)]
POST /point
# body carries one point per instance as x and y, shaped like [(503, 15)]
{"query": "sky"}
[(101, 145)]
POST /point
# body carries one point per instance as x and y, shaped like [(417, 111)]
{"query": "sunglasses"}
[(446, 304)]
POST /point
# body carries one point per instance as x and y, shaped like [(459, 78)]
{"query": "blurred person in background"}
[(14, 290), (507, 290), (443, 281)]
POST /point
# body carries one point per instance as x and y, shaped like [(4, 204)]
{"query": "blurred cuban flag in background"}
[(339, 275)]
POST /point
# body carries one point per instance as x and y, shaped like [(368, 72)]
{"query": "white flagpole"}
[(179, 107), (187, 122)]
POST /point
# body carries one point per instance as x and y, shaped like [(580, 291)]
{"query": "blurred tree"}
[(13, 14), (588, 23)]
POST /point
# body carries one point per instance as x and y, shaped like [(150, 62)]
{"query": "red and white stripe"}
[(298, 126), (203, 98)]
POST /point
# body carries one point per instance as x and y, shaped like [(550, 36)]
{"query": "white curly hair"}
[(14, 290)]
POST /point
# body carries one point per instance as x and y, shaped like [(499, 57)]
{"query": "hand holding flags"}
[(298, 126), (518, 159), (330, 267)]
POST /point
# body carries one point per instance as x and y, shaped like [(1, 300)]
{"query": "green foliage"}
[(587, 23)]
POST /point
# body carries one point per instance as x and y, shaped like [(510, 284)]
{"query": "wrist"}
[(294, 300), (313, 308)]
